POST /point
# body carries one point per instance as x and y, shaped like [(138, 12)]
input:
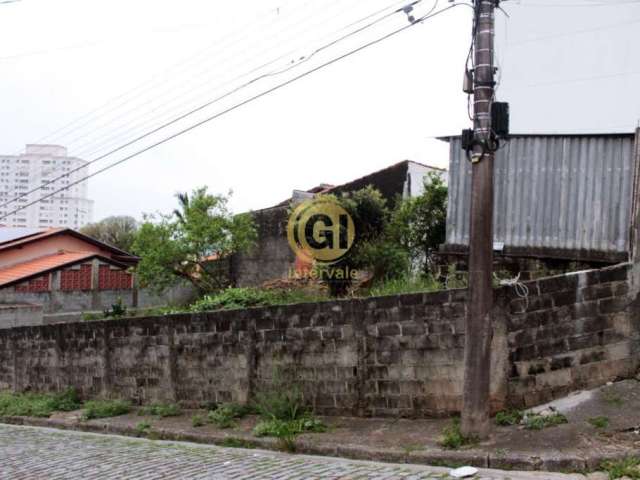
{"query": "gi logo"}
[(320, 230)]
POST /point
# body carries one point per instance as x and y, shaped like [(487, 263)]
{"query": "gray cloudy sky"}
[(60, 60)]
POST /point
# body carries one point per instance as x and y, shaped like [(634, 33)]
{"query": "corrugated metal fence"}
[(552, 192)]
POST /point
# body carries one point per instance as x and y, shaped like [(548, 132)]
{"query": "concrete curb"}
[(563, 463)]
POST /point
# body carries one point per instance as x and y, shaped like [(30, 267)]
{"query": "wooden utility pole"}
[(477, 357)]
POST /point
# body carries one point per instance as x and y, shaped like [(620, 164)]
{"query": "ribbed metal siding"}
[(551, 192)]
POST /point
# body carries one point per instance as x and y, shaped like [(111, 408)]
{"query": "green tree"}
[(186, 243), (118, 231), (419, 224)]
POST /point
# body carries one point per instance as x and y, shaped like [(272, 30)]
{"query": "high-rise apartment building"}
[(36, 167)]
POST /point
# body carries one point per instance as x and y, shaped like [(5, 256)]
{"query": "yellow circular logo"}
[(320, 229)]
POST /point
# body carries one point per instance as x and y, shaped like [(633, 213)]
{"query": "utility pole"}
[(477, 356)]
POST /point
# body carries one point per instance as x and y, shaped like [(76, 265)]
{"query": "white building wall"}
[(39, 164)]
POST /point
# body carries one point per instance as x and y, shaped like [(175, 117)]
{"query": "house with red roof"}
[(62, 270)]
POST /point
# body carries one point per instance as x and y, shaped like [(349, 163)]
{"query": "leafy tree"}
[(419, 224), (118, 231), (186, 243)]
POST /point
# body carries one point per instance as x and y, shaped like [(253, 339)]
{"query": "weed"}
[(117, 310), (236, 443), (161, 410), (599, 422), (143, 427), (38, 405), (197, 421), (538, 422), (413, 447), (509, 417), (105, 408), (225, 415), (281, 402), (452, 437), (628, 468)]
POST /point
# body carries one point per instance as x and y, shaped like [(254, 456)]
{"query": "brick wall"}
[(396, 355), (113, 279), (78, 278), (39, 284)]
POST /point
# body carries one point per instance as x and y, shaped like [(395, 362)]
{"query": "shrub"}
[(117, 310), (509, 417), (38, 405), (161, 410), (105, 408)]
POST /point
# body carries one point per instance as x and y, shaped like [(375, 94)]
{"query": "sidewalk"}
[(577, 446)]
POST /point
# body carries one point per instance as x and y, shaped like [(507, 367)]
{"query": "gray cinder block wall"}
[(385, 356)]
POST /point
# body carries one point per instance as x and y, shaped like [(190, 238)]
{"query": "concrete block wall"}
[(574, 331), (387, 356)]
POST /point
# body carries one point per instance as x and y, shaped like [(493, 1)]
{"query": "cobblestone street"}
[(40, 453)]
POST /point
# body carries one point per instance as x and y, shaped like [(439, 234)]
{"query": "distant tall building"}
[(40, 164)]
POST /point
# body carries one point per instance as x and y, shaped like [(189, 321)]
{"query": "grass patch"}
[(161, 410), (599, 422), (509, 417), (629, 467), (105, 408), (226, 414), (452, 437), (287, 430), (538, 422), (612, 398), (405, 285), (38, 404), (198, 421)]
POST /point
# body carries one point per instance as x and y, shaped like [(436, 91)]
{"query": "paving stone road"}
[(41, 453)]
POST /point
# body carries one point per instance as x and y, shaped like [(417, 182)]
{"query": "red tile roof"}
[(32, 268)]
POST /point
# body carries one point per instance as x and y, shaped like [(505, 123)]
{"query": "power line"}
[(216, 100), (238, 105)]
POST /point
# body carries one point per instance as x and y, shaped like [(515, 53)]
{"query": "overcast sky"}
[(138, 64)]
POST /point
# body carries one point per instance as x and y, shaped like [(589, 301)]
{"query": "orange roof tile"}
[(33, 267)]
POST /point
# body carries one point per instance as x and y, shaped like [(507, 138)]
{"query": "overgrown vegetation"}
[(538, 422), (232, 298), (161, 410), (183, 245), (37, 404), (452, 437), (105, 408), (405, 285), (225, 415), (599, 422), (509, 417), (626, 468)]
